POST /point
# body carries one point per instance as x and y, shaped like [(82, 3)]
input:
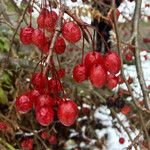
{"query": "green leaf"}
[(6, 79), (3, 97)]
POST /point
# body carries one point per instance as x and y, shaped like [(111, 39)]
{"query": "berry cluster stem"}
[(56, 34)]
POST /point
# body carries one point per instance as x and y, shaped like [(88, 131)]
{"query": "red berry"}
[(43, 100), (39, 39), (92, 58), (26, 35), (60, 45), (112, 81), (44, 115), (27, 144), (126, 109), (39, 81), (45, 48), (130, 80), (52, 139), (41, 18), (98, 76), (146, 40), (120, 79), (79, 73), (3, 126), (112, 62), (71, 32), (129, 56), (67, 112), (61, 72), (54, 85), (50, 21), (44, 135), (121, 140), (24, 103)]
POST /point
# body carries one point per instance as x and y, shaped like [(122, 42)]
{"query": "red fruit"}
[(3, 126), (44, 115), (43, 100), (92, 58), (112, 62), (24, 103), (146, 40), (98, 76), (41, 18), (120, 79), (130, 80), (112, 81), (45, 48), (71, 32), (44, 135), (27, 144), (121, 140), (79, 73), (26, 35), (50, 21), (67, 112), (85, 110), (39, 38), (39, 81), (61, 72), (52, 139), (54, 85), (126, 109), (129, 56), (60, 45)]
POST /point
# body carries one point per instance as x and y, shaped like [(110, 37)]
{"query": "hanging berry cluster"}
[(47, 96), (99, 69)]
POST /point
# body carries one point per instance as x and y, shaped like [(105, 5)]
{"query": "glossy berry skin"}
[(27, 144), (79, 73), (26, 35), (43, 100), (44, 115), (121, 140), (24, 103), (92, 58), (3, 126), (112, 81), (50, 21), (61, 72), (71, 32), (44, 135), (129, 56), (67, 112), (119, 102), (41, 18), (54, 86), (39, 38), (52, 139), (98, 76), (126, 109), (39, 81), (60, 46), (112, 62)]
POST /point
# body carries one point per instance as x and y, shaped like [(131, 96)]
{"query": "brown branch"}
[(56, 34), (137, 54)]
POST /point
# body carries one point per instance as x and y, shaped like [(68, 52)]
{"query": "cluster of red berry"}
[(46, 21), (45, 97), (100, 70)]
